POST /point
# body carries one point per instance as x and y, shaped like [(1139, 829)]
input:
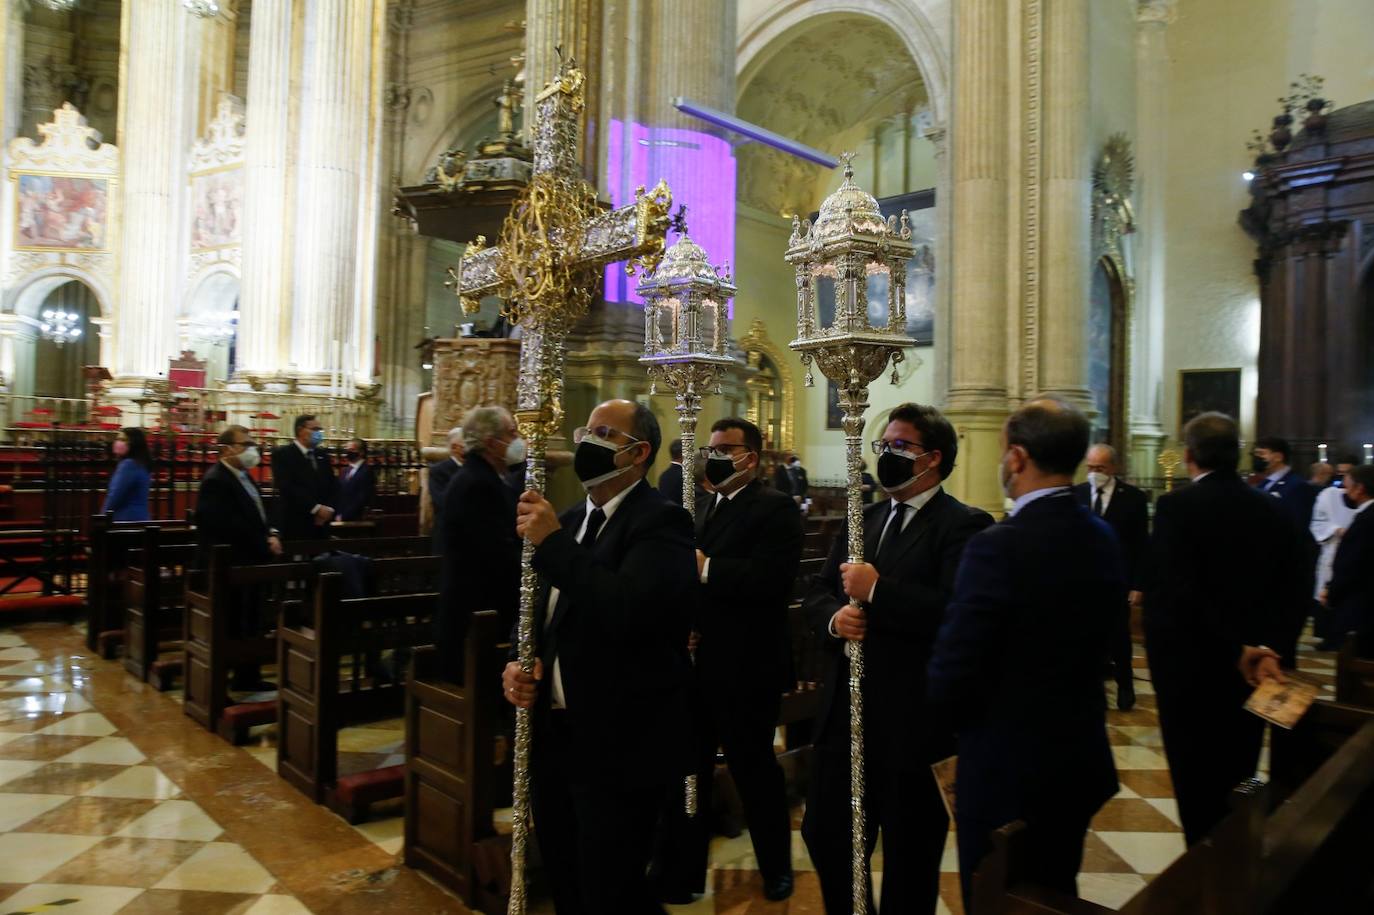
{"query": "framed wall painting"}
[(56, 212), (1205, 390)]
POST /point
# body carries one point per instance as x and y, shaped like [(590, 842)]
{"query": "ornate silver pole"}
[(687, 347), (852, 247)]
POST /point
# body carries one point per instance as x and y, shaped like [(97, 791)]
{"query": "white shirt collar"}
[(609, 508), (1279, 474), (455, 460), (1027, 498), (1108, 488), (1364, 505), (1201, 475), (731, 496), (304, 449), (918, 501)]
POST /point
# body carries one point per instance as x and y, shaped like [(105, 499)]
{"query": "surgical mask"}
[(1098, 480), (120, 447), (720, 469), (250, 458), (894, 470), (594, 461), (515, 452), (316, 438)]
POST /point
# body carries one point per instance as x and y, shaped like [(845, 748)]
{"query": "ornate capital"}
[(938, 137), (1156, 12)]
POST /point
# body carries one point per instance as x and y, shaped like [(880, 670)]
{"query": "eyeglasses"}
[(898, 445), (727, 450), (605, 433)]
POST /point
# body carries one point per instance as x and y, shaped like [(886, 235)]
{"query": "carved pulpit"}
[(472, 372)]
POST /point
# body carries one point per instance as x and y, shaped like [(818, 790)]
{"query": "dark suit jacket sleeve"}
[(220, 519), (915, 607), (970, 639), (825, 596), (470, 508), (1135, 539), (658, 568), (294, 497), (759, 578), (439, 477)]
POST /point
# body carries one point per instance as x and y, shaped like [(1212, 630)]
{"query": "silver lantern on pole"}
[(687, 336), (848, 254), (687, 349)]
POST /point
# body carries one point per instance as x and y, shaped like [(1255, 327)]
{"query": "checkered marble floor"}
[(104, 790)]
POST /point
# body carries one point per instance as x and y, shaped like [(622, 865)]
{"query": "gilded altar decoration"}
[(850, 242), (554, 243)]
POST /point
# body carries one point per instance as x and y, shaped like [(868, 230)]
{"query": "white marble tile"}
[(1139, 758), (86, 900), (277, 905), (116, 751), (388, 834), (42, 704), (18, 809), (7, 736), (1110, 890), (10, 640), (1142, 735), (1146, 852), (949, 859), (27, 856), (219, 867), (48, 684), (1167, 806), (89, 724), (10, 769), (1125, 792), (18, 653), (174, 820), (137, 781)]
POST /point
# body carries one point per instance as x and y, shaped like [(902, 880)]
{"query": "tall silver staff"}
[(849, 252), (687, 347), (553, 244)]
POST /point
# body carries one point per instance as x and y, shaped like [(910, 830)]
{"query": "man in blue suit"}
[(1017, 665), (357, 482), (1296, 497)]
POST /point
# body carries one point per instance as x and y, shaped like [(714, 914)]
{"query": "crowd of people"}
[(661, 642)]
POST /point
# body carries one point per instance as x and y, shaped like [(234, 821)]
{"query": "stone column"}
[(155, 133), (1066, 200), (334, 147), (980, 179), (575, 26), (264, 296), (12, 72), (1151, 154), (939, 139)]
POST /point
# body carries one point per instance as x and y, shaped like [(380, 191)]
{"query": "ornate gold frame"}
[(757, 341)]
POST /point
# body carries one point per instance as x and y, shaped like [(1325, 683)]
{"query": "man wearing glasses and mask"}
[(609, 691), (749, 542), (894, 603)]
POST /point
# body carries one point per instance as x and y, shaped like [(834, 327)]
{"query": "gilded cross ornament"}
[(554, 243), (850, 250)]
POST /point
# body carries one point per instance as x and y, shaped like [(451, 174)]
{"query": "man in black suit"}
[(357, 482), (782, 480), (749, 542), (893, 603), (670, 480), (1017, 665), (609, 691), (1126, 510), (1297, 498), (229, 509), (1350, 593), (481, 550), (440, 475), (797, 474), (305, 483), (1224, 572)]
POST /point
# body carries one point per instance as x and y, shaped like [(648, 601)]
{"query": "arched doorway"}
[(209, 323), (1107, 353), (55, 338)]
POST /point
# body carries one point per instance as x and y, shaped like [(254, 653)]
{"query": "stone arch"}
[(463, 129), (915, 21), (26, 297)]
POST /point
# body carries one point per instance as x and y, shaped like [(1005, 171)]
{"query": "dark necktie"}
[(892, 531), (716, 507), (1097, 503), (594, 522)]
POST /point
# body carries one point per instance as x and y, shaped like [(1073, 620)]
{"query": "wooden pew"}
[(452, 779), (212, 600), (314, 640), (154, 602), (109, 546), (44, 557), (1354, 675), (1294, 845)]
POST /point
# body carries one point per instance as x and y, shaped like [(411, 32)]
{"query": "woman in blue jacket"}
[(128, 495)]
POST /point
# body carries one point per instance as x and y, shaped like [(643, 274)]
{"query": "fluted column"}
[(264, 298), (980, 184), (575, 26), (155, 128), (1151, 151), (1066, 195), (334, 145), (12, 72)]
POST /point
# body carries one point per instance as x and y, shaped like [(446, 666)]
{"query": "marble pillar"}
[(575, 26), (1065, 243), (1147, 434), (12, 72), (979, 251), (155, 135), (331, 181), (267, 202)]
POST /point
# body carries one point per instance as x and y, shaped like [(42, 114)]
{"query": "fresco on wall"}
[(216, 205), (57, 212)]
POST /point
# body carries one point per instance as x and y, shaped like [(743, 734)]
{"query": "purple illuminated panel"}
[(700, 170)]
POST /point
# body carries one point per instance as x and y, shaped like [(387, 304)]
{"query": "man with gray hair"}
[(440, 475), (477, 524)]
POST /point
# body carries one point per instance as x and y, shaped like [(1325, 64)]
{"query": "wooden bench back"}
[(1354, 675)]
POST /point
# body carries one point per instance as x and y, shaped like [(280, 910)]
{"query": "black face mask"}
[(718, 470), (1260, 464), (594, 464), (894, 470)]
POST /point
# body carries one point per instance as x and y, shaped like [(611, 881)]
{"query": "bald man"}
[(609, 691)]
